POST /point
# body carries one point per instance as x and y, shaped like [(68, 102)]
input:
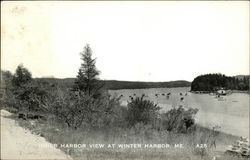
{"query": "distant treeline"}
[(111, 84), (114, 84), (214, 82)]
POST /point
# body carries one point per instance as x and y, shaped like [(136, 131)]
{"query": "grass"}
[(56, 133)]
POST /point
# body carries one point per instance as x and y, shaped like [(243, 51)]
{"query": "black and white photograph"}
[(125, 80)]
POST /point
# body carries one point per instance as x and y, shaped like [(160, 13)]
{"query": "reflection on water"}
[(231, 112)]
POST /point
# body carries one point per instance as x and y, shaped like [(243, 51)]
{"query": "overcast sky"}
[(137, 41)]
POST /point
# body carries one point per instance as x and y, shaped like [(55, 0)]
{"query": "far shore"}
[(239, 91), (232, 91)]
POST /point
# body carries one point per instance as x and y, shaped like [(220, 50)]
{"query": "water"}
[(231, 112)]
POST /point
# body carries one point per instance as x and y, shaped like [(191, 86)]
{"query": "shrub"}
[(179, 120), (77, 109), (33, 96), (114, 114), (142, 111)]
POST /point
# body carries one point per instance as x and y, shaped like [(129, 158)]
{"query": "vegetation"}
[(56, 133), (179, 120), (87, 77), (84, 112), (115, 85), (6, 90), (77, 109), (214, 82), (21, 77), (142, 111), (80, 107)]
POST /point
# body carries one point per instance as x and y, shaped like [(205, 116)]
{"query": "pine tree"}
[(22, 76), (87, 78)]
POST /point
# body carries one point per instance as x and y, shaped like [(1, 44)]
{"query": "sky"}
[(135, 41)]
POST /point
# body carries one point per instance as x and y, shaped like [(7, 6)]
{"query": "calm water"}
[(230, 113)]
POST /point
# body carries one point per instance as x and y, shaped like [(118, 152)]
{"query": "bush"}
[(179, 120), (33, 96), (142, 111), (77, 109)]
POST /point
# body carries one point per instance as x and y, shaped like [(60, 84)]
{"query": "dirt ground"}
[(18, 143)]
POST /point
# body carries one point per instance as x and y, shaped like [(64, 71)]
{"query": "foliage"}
[(142, 111), (6, 79), (21, 76), (14, 86), (23, 93), (87, 75), (114, 84), (213, 82), (179, 119), (77, 109), (33, 96), (6, 89)]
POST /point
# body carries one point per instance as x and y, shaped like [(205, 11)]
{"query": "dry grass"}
[(56, 133)]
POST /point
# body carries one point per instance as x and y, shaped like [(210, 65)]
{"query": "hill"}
[(213, 82), (114, 84), (241, 77)]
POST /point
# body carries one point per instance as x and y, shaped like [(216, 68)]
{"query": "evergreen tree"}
[(21, 76), (87, 78)]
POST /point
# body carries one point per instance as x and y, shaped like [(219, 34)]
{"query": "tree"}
[(6, 79), (28, 94), (6, 89), (213, 82), (21, 76), (87, 78)]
